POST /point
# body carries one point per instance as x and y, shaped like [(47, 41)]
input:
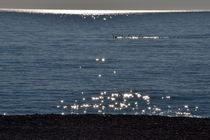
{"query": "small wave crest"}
[(135, 37)]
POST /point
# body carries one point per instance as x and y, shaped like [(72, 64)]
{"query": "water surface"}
[(57, 63)]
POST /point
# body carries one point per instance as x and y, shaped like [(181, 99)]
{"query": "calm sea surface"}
[(72, 64)]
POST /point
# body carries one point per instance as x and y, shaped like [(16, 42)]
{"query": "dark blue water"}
[(71, 64)]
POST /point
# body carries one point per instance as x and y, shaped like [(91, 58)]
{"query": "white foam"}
[(95, 12)]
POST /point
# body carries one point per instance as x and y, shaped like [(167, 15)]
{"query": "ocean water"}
[(157, 63)]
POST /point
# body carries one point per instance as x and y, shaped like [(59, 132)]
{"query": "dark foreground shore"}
[(102, 127)]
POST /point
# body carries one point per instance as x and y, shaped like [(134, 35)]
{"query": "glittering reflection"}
[(97, 17), (99, 75), (62, 113), (103, 59), (114, 72), (124, 103)]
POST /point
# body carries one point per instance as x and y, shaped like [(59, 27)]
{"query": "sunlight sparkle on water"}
[(119, 103), (103, 59), (122, 102), (114, 72)]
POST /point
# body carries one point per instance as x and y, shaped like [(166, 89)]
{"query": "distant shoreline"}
[(103, 127), (95, 12)]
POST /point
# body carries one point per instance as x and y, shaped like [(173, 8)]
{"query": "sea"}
[(105, 62)]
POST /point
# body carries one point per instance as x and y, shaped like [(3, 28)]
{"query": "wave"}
[(95, 12), (136, 37)]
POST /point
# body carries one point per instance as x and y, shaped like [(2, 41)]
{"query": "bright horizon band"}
[(94, 12)]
